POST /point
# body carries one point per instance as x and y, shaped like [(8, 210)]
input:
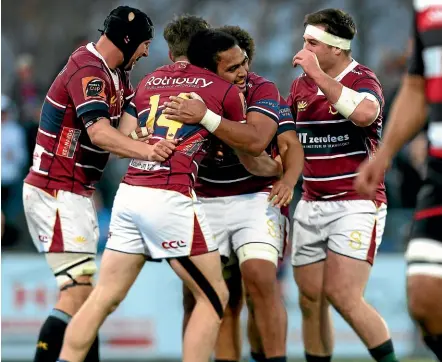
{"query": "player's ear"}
[(337, 51), (171, 57)]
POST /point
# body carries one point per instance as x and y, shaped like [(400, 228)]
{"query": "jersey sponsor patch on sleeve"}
[(68, 142), (93, 87)]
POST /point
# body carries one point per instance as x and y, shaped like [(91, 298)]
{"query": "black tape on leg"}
[(203, 283), (74, 284)]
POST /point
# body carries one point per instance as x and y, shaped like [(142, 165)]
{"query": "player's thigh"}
[(424, 251), (60, 221), (124, 235), (176, 226), (217, 210), (308, 240), (357, 229), (258, 228), (118, 272)]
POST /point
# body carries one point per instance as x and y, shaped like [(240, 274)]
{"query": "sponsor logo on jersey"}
[(331, 110), (177, 82), (305, 139), (68, 142), (93, 87), (302, 106), (191, 145)]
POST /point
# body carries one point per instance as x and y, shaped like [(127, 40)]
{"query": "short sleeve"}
[(89, 89), (286, 121), (265, 100), (369, 85)]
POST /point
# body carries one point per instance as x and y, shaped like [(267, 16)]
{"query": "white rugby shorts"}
[(158, 223), (244, 219), (352, 228)]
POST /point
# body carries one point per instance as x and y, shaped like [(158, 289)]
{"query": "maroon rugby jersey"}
[(221, 173), (333, 146), (181, 168), (426, 61), (64, 157)]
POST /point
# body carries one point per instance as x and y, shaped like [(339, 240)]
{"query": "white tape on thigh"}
[(257, 251), (144, 131), (134, 135), (424, 257), (74, 268)]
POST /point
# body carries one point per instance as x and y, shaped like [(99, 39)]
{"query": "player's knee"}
[(310, 307), (259, 283), (341, 298)]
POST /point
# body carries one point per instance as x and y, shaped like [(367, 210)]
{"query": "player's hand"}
[(188, 111), (161, 150), (281, 194), (142, 134), (371, 173), (308, 61)]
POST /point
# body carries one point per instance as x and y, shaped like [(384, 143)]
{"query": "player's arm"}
[(292, 157), (263, 165), (90, 94), (251, 137), (362, 108)]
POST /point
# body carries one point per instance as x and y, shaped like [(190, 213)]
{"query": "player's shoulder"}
[(83, 57), (361, 71), (255, 80)]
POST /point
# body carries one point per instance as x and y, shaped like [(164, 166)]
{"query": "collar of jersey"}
[(91, 48)]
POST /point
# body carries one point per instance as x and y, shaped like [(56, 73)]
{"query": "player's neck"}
[(182, 58), (109, 52), (338, 68)]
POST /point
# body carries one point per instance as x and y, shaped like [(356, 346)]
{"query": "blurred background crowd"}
[(37, 40)]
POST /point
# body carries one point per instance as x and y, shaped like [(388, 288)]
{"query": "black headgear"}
[(127, 28)]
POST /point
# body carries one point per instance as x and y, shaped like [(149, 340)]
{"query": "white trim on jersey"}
[(335, 195), (93, 149), (225, 181), (252, 108), (433, 60), (420, 5), (147, 109), (130, 96), (46, 133), (324, 122), (92, 101), (320, 179), (335, 156), (55, 103), (88, 166), (39, 171), (287, 122)]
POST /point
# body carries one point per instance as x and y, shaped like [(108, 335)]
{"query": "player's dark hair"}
[(245, 41), (179, 31), (205, 46), (335, 21)]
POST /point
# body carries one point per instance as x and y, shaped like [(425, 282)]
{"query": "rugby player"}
[(75, 136), (421, 90), (175, 228), (255, 237), (337, 104)]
